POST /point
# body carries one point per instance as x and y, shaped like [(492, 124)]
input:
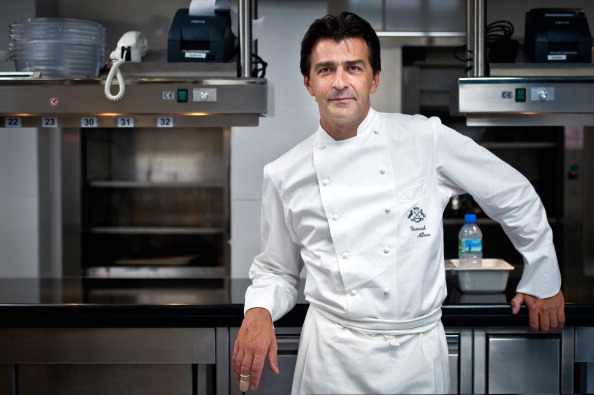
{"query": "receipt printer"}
[(558, 35), (196, 38)]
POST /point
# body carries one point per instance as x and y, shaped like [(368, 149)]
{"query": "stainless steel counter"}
[(177, 335), (212, 302)]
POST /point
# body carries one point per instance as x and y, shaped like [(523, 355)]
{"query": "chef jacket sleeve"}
[(275, 271), (506, 196)]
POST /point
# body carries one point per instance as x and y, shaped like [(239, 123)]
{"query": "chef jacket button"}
[(335, 217), (376, 131), (382, 171), (322, 147), (326, 182), (386, 291), (353, 292), (386, 250), (345, 255), (387, 210)]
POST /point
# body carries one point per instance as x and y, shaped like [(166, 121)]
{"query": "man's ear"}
[(307, 85), (375, 82)]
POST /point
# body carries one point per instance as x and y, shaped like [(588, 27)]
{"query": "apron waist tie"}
[(385, 327)]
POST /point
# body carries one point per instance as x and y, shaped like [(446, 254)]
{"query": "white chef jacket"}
[(364, 215)]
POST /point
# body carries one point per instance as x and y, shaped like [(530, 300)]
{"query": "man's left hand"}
[(544, 315)]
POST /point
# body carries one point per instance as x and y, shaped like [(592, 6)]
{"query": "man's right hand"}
[(256, 341)]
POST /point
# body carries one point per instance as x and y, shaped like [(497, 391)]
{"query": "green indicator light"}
[(182, 95), (520, 94)]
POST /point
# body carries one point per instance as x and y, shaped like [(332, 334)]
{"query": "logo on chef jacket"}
[(417, 215)]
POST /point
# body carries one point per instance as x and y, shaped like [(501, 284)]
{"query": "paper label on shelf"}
[(556, 57), (165, 122), (89, 122), (125, 122), (49, 122), (13, 122), (195, 54)]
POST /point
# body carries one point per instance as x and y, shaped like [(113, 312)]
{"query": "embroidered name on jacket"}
[(416, 215)]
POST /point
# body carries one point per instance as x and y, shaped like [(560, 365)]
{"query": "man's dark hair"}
[(346, 25)]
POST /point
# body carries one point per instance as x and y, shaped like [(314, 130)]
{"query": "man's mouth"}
[(341, 99)]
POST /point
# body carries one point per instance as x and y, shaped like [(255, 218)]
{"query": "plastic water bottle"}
[(470, 243)]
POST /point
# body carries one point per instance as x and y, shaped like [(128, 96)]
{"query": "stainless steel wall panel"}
[(584, 344), (108, 345), (453, 340), (523, 364), (465, 362), (514, 360), (155, 155), (479, 365), (224, 350), (108, 379), (567, 360)]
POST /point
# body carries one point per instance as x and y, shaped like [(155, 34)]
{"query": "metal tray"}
[(490, 277)]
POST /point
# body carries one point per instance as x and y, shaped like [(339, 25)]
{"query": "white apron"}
[(334, 359)]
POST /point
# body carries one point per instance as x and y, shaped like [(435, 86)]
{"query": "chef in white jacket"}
[(359, 204)]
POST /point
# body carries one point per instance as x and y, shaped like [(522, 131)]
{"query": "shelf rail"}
[(246, 12), (475, 35)]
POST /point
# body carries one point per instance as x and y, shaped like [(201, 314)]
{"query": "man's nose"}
[(340, 79)]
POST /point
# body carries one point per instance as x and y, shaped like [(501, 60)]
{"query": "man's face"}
[(341, 79)]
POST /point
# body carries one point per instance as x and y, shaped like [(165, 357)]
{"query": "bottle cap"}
[(470, 218)]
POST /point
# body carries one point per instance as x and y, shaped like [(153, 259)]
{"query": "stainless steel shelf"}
[(155, 272), (423, 38), (519, 101), (157, 230), (139, 121), (147, 184), (148, 101)]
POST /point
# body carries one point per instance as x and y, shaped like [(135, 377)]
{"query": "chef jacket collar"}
[(362, 130)]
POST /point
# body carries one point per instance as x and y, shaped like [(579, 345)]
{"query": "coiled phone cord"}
[(115, 71)]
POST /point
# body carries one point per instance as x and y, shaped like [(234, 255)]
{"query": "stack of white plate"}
[(58, 47)]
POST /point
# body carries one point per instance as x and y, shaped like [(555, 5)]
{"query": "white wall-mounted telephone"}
[(132, 47)]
